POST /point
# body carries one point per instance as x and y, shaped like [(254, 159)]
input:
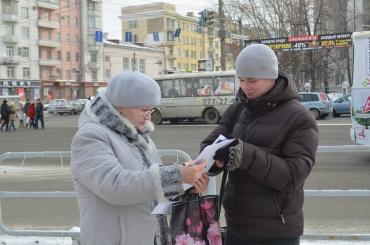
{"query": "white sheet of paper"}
[(163, 208), (209, 152), (207, 155)]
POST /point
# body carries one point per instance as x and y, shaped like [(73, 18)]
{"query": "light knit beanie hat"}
[(133, 89), (257, 61)]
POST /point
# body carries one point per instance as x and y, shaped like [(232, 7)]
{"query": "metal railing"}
[(178, 154)]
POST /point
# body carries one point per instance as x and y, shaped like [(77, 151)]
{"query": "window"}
[(10, 30), (25, 32), (125, 63), (107, 73), (94, 75), (68, 58), (58, 37), (94, 58), (25, 52), (26, 72), (91, 5), (11, 71), (77, 57), (93, 21), (59, 55), (24, 12), (49, 54), (170, 36), (132, 24), (107, 58), (10, 51), (77, 21), (49, 35), (59, 73), (69, 74), (133, 64), (203, 86), (142, 65)]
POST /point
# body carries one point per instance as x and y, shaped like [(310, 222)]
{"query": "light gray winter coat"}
[(118, 178)]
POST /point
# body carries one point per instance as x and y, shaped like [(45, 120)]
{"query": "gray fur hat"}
[(133, 89), (257, 61)]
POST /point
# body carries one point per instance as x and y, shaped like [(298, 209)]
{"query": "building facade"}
[(159, 25), (19, 66), (51, 49), (128, 56)]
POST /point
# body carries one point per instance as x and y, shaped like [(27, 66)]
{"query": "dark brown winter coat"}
[(264, 197)]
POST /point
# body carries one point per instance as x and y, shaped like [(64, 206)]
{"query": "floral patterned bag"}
[(195, 221)]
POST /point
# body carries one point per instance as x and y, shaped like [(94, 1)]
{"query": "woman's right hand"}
[(191, 173)]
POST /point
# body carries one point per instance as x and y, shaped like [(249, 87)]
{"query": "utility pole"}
[(240, 33), (354, 15), (134, 62), (222, 33)]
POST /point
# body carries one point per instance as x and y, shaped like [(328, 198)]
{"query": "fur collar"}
[(100, 111)]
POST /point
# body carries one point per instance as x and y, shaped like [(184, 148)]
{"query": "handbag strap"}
[(222, 189)]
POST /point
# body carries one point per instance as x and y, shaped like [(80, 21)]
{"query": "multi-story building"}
[(49, 45), (51, 48), (19, 73), (158, 25), (91, 71), (128, 56)]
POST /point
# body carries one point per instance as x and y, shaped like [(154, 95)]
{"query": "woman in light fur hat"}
[(117, 170)]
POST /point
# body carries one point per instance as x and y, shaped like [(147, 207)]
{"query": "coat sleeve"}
[(95, 166), (290, 168)]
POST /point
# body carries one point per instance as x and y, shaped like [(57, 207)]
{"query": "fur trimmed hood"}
[(100, 111)]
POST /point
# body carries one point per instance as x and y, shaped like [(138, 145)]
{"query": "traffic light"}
[(209, 18), (202, 18)]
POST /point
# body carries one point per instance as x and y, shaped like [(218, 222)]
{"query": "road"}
[(322, 215)]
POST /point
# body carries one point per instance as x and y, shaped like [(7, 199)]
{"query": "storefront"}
[(90, 88), (61, 89), (26, 89)]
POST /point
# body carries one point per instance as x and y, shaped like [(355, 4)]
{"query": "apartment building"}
[(158, 25), (51, 48), (91, 64), (19, 67), (128, 56)]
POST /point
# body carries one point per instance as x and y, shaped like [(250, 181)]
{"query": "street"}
[(322, 215)]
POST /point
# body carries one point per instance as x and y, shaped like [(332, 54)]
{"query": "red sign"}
[(367, 105)]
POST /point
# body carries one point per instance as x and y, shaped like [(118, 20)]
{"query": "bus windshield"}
[(188, 96)]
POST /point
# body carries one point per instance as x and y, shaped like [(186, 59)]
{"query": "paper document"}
[(207, 154)]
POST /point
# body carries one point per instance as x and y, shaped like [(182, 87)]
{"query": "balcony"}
[(171, 28), (10, 39), (10, 17), (94, 48), (44, 62), (170, 43), (49, 24), (49, 43), (93, 66), (48, 4), (171, 56), (10, 60)]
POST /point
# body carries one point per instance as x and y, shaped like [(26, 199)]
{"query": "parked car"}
[(342, 105), (318, 103), (62, 106), (334, 96)]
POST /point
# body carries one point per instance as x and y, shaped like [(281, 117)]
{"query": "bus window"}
[(224, 85), (166, 88), (184, 87), (203, 86)]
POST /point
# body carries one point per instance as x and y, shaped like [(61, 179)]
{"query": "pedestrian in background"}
[(31, 115), (274, 152), (117, 170), (4, 115), (12, 116), (21, 116), (25, 110), (39, 114)]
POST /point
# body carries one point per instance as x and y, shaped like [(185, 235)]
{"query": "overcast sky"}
[(112, 9)]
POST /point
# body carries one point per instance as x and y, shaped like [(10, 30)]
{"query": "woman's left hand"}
[(201, 184)]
